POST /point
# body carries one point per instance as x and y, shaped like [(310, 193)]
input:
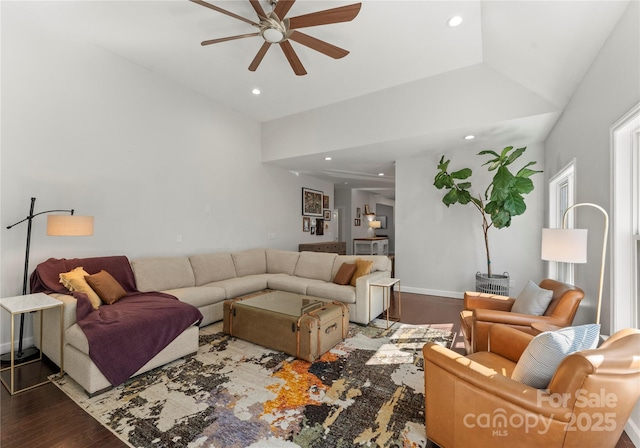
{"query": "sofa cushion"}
[(239, 286), (316, 265), (291, 283), (533, 300), (162, 273), (213, 267), (363, 267), (250, 262), (199, 296), (331, 291), (344, 274), (545, 352), (74, 280), (107, 287), (282, 261)]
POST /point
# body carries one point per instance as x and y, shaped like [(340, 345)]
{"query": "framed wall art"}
[(311, 202), (356, 222), (327, 215), (319, 226), (306, 224), (325, 201)]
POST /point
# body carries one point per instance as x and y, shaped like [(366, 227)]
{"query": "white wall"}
[(609, 89), (440, 249), (87, 130)]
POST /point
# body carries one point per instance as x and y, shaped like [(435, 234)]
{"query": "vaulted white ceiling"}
[(401, 53)]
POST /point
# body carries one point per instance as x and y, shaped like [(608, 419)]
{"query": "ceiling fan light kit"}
[(280, 31)]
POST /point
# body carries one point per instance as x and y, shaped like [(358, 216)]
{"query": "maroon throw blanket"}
[(124, 336)]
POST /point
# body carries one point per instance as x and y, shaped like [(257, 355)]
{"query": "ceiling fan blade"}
[(283, 7), (223, 11), (224, 39), (334, 15), (292, 57), (318, 45), (258, 9), (258, 59)]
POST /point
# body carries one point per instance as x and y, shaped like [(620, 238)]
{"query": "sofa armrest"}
[(51, 326), (362, 311), (480, 300)]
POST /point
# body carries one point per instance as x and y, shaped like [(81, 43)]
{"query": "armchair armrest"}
[(489, 381), (509, 318), (508, 342), (480, 300)]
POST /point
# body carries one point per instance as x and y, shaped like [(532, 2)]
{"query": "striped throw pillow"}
[(545, 352)]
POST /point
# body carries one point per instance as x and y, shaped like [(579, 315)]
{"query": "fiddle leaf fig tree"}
[(502, 199)]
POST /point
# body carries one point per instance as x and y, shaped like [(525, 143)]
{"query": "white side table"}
[(28, 304), (386, 284)]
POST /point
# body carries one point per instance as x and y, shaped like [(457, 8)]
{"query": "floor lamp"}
[(57, 225), (570, 246)]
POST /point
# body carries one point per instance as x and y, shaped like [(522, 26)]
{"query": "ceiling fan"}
[(275, 29)]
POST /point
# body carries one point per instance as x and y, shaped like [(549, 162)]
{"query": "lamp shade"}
[(69, 225), (564, 245), (374, 224)]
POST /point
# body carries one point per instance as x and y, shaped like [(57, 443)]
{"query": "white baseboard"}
[(5, 347), (432, 292)]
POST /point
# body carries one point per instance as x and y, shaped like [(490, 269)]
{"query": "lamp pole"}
[(21, 354), (604, 246)]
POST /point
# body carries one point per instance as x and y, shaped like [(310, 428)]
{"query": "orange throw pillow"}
[(74, 281), (344, 274), (363, 267), (107, 287)]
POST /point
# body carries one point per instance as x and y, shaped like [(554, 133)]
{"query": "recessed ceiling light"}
[(327, 158), (380, 174), (256, 91), (454, 21), (469, 137)]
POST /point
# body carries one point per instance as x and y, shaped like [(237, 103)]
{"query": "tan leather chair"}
[(482, 310), (473, 402)]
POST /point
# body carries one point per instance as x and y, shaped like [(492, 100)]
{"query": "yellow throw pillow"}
[(363, 267), (107, 287), (74, 281)]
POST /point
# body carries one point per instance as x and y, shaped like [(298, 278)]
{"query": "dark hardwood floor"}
[(45, 417)]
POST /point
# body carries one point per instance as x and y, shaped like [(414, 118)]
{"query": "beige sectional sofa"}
[(205, 281)]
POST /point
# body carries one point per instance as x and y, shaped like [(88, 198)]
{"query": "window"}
[(561, 197)]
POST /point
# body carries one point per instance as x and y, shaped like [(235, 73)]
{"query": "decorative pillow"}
[(533, 300), (344, 274), (74, 281), (363, 267), (107, 287), (543, 355)]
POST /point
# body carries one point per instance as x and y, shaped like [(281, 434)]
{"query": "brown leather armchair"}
[(481, 311), (472, 401)]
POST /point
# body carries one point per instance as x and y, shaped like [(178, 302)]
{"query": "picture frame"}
[(313, 230), (358, 213), (356, 222), (306, 224), (325, 201), (319, 226), (311, 202), (327, 215)]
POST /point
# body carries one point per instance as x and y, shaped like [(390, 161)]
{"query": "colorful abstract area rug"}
[(367, 391)]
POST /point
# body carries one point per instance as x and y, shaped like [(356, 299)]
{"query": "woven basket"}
[(496, 284)]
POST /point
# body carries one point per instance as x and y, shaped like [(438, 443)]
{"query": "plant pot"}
[(496, 284)]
